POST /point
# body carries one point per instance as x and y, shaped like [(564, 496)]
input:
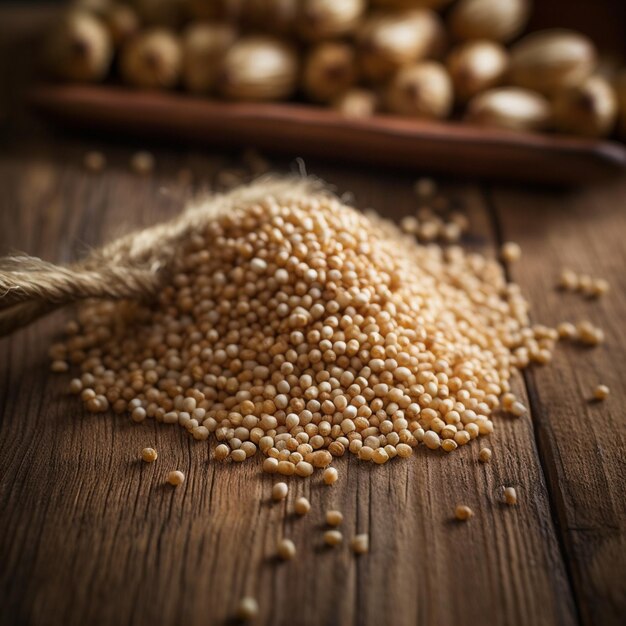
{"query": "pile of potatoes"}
[(432, 59)]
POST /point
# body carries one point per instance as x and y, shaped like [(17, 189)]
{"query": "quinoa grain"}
[(334, 518), (149, 455), (286, 549), (76, 386), (333, 537), (380, 456), (360, 544), (297, 326), (176, 478), (221, 452), (330, 476), (302, 506), (280, 491), (142, 163), (248, 609), (510, 496), (485, 455), (463, 512), (601, 392), (517, 409), (432, 440), (238, 455), (510, 252)]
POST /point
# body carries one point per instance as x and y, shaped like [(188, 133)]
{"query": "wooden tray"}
[(300, 130)]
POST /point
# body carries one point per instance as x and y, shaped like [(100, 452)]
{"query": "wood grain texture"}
[(581, 442), (93, 536)]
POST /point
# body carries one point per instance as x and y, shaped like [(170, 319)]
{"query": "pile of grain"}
[(294, 324)]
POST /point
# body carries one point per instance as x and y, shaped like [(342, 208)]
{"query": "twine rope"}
[(131, 267)]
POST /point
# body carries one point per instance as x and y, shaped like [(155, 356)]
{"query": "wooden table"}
[(90, 535)]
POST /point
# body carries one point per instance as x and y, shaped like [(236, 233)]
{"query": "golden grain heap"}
[(295, 325)]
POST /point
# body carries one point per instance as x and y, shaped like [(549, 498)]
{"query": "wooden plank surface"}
[(93, 536), (581, 442)]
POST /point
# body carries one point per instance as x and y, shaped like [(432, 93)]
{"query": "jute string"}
[(134, 266)]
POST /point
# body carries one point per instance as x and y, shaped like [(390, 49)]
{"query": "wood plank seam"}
[(536, 428)]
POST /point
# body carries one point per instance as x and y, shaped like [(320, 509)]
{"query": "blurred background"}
[(492, 88)]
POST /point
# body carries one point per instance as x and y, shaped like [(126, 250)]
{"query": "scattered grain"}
[(485, 455), (567, 330), (360, 544), (601, 392), (588, 334), (334, 518), (149, 455), (510, 252), (76, 386), (568, 280), (463, 512), (280, 491), (142, 162), (176, 478), (330, 476), (510, 495), (286, 549), (599, 287), (584, 283), (302, 506), (517, 409), (248, 609), (333, 537)]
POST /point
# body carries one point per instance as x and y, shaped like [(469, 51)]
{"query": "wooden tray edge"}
[(301, 130)]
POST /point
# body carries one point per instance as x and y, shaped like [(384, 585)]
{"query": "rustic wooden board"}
[(90, 536), (581, 443), (304, 130), (93, 536)]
